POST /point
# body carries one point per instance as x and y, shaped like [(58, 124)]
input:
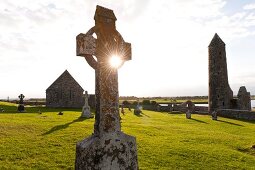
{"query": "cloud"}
[(249, 6), (169, 41)]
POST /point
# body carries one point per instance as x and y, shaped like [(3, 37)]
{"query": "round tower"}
[(220, 93)]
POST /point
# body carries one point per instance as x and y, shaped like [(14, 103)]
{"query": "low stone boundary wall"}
[(237, 114), (197, 109), (201, 110)]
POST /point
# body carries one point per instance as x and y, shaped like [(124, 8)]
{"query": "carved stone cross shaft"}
[(108, 43)]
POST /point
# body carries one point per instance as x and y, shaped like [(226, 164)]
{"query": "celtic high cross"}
[(107, 44), (108, 147)]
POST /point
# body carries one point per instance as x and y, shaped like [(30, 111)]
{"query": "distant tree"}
[(135, 103), (153, 103), (146, 102), (125, 102)]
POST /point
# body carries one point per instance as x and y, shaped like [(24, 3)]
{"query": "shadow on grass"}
[(34, 109), (175, 112), (229, 123), (14, 110), (145, 114), (249, 150), (141, 115), (248, 121), (64, 126), (8, 109), (200, 121)]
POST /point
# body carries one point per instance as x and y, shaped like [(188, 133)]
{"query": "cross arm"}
[(91, 61)]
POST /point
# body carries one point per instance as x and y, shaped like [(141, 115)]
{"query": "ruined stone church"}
[(65, 92)]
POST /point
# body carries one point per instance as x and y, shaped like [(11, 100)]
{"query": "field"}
[(165, 141)]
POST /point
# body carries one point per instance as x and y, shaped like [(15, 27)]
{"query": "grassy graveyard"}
[(165, 141)]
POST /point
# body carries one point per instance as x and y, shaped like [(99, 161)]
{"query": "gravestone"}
[(122, 109), (170, 107), (214, 115), (60, 113), (108, 147), (137, 110), (188, 114), (21, 107), (86, 109)]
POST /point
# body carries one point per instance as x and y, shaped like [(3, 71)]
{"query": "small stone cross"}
[(21, 97)]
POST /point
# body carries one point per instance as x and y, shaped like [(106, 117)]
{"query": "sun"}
[(115, 61)]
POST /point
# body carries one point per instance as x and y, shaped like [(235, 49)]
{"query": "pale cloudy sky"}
[(169, 44)]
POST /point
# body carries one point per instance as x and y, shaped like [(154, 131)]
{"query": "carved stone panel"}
[(86, 45)]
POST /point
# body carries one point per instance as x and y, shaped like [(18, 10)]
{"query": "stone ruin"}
[(220, 94), (64, 92), (187, 106), (243, 99), (108, 147)]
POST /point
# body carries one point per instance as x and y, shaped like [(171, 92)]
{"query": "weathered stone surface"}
[(108, 147), (110, 151), (64, 92)]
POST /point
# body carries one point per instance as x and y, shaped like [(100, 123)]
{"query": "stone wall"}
[(237, 114), (201, 110)]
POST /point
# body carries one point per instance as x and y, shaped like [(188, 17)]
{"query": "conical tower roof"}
[(216, 41)]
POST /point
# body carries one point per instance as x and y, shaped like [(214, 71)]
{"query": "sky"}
[(169, 40)]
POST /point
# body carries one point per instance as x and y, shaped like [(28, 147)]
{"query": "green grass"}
[(165, 141)]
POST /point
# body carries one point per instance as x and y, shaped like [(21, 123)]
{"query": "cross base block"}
[(109, 151)]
